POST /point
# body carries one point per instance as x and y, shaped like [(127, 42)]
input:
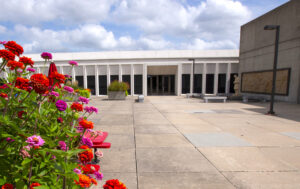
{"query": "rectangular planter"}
[(116, 95)]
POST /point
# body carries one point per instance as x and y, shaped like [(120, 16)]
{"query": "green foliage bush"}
[(118, 86)]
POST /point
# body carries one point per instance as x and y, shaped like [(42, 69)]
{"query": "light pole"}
[(193, 79), (277, 28)]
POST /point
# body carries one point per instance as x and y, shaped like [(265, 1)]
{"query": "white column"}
[(73, 74), (145, 79), (204, 71), (216, 79), (38, 69), (108, 75), (84, 78), (132, 79), (120, 72), (61, 69), (227, 88), (179, 79), (191, 80), (97, 80)]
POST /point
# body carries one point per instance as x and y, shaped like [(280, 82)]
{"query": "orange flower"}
[(114, 183), (60, 78), (84, 181), (3, 95), (14, 48), (7, 55), (94, 181), (22, 83), (86, 124), (27, 61), (14, 65), (40, 83), (76, 106), (85, 156)]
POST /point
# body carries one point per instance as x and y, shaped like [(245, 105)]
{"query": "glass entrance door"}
[(161, 84)]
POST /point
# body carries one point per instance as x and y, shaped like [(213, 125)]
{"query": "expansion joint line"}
[(136, 166)]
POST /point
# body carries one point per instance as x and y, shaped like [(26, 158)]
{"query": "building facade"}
[(257, 54), (151, 72)]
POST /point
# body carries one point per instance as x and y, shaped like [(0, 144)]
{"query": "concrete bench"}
[(206, 98), (140, 98)]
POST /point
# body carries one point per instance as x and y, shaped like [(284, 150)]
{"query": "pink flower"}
[(87, 141), (91, 109), (73, 63), (83, 100), (35, 141), (78, 171), (24, 153), (67, 76), (46, 55), (99, 154), (63, 145), (9, 139), (68, 89), (99, 176), (53, 93), (30, 69), (3, 42)]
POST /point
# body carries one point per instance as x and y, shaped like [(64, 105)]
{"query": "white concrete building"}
[(151, 72)]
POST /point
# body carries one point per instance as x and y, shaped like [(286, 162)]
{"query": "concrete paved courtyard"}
[(178, 143)]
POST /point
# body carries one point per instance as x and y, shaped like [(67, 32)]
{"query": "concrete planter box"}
[(116, 95)]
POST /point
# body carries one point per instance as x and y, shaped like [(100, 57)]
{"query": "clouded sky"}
[(105, 25)]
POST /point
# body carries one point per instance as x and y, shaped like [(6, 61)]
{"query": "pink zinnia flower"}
[(46, 55), (67, 76), (91, 109), (99, 154), (53, 93), (61, 105), (69, 89), (3, 42), (87, 141), (73, 63), (35, 141), (78, 171), (83, 100), (99, 176), (30, 69), (63, 145)]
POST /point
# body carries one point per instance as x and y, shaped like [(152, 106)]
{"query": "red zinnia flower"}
[(84, 181), (40, 83), (77, 106), (22, 83), (7, 55), (85, 156), (59, 78), (14, 64), (94, 181), (14, 48), (7, 186), (3, 95), (114, 184), (89, 168), (86, 124), (27, 61), (20, 114), (34, 185)]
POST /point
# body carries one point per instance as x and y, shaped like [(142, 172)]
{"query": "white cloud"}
[(2, 29), (199, 44)]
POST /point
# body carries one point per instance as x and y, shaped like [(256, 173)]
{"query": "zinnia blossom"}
[(30, 69), (14, 65), (87, 141), (40, 83), (78, 171), (59, 78), (61, 105), (99, 154), (90, 168), (22, 83), (91, 109), (20, 114), (99, 176), (53, 93), (60, 120), (3, 42), (83, 100), (68, 89), (7, 55), (86, 124), (46, 55), (7, 186), (73, 63), (85, 156), (63, 145), (76, 106), (4, 95), (14, 47), (33, 185), (84, 181), (114, 183), (35, 141), (26, 61), (8, 139)]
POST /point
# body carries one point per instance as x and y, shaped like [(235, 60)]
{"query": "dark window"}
[(138, 84), (114, 77), (210, 83), (79, 79), (172, 78), (126, 79), (198, 83), (185, 83), (102, 84), (231, 82), (91, 83), (221, 83)]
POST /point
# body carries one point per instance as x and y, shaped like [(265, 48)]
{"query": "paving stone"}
[(158, 129), (161, 140), (129, 179), (121, 141), (295, 135)]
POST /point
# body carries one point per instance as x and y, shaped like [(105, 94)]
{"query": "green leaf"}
[(41, 187), (26, 161)]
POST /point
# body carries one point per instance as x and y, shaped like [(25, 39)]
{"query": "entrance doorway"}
[(161, 84)]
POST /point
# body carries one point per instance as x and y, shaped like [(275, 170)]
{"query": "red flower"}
[(76, 106), (14, 65), (59, 78), (27, 61), (84, 181), (34, 185), (20, 114), (60, 120), (3, 95), (114, 184), (85, 156), (94, 181), (86, 124), (90, 168), (7, 55), (14, 48), (39, 82), (7, 186), (22, 83)]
